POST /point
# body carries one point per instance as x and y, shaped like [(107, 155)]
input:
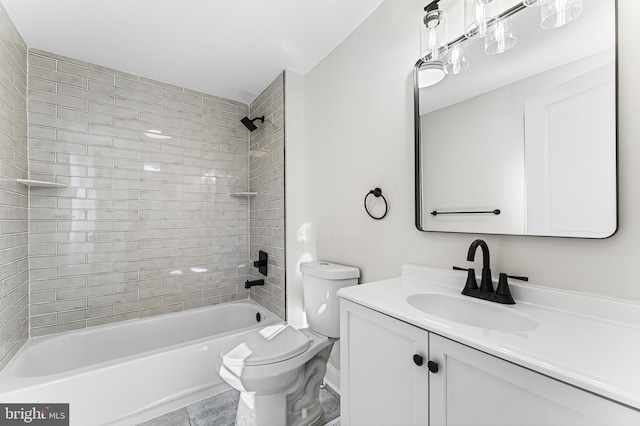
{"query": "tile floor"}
[(220, 410)]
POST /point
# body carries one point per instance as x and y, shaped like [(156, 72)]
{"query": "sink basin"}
[(473, 312)]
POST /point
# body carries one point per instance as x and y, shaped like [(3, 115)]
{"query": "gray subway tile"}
[(58, 123), (112, 90), (42, 331), (108, 70), (42, 61), (139, 208), (56, 56), (85, 72), (161, 84), (75, 92), (134, 84), (96, 129), (47, 308), (158, 100), (58, 77), (56, 99), (86, 117), (83, 314), (111, 299)]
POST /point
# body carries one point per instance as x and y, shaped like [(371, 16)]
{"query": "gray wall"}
[(14, 275), (146, 225), (266, 177)]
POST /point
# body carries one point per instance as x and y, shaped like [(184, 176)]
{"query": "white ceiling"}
[(229, 48)]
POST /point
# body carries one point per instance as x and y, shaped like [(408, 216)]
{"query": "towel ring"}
[(377, 192)]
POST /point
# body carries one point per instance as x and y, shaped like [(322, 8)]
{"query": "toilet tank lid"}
[(328, 270)]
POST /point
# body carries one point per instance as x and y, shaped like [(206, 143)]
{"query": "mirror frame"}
[(418, 137)]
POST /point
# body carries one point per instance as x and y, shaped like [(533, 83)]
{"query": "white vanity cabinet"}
[(382, 385), (380, 382), (474, 388)]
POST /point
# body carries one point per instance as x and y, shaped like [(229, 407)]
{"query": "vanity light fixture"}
[(433, 33), (482, 19)]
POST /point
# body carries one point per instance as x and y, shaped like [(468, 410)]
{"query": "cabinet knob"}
[(432, 366), (418, 360)]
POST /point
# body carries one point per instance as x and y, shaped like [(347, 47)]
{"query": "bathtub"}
[(132, 371)]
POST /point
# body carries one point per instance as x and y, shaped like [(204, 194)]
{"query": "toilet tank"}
[(320, 283)]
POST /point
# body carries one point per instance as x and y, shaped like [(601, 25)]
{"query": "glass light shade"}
[(557, 13), (430, 73), (477, 16), (456, 60), (534, 3), (501, 36), (433, 36)]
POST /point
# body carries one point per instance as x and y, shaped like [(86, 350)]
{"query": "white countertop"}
[(589, 342)]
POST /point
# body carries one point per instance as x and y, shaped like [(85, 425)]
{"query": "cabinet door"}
[(380, 382), (474, 388)]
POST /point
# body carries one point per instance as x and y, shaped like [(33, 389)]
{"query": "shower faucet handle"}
[(261, 263)]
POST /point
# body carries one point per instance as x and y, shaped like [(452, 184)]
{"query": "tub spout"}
[(249, 284)]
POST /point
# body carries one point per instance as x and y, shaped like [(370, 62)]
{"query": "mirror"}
[(523, 142)]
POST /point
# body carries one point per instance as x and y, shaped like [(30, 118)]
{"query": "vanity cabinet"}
[(474, 388), (382, 385)]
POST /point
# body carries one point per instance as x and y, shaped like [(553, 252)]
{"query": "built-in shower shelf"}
[(40, 183), (243, 194)]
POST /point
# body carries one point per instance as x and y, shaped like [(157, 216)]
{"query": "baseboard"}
[(332, 377)]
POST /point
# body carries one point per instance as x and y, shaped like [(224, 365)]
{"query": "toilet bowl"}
[(278, 369), (273, 373)]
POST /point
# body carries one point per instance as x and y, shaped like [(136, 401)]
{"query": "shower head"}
[(248, 123)]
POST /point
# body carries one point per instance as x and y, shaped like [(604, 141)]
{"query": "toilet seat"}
[(268, 345)]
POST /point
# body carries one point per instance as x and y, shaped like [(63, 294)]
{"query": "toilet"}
[(278, 369)]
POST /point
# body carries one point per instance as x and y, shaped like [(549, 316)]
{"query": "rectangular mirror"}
[(523, 142)]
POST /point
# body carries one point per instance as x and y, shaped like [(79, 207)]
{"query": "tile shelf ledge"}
[(243, 194), (40, 183)]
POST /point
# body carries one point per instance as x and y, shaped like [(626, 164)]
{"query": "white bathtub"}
[(129, 372)]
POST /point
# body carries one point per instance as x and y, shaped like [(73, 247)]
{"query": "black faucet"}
[(486, 292), (486, 284)]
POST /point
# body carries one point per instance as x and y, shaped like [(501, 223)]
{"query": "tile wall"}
[(266, 177), (14, 272), (146, 225)]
